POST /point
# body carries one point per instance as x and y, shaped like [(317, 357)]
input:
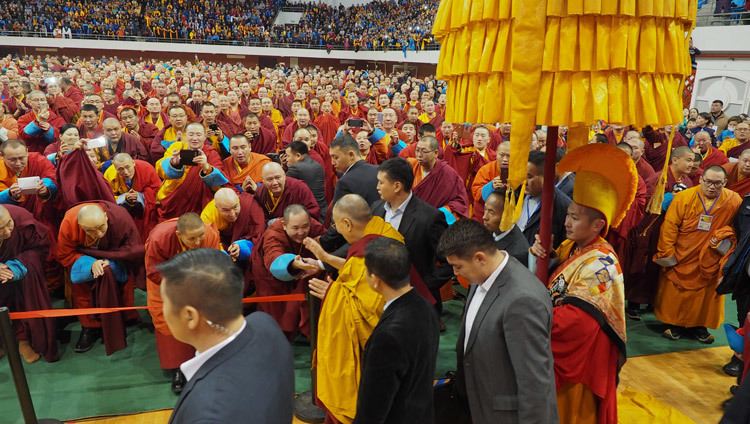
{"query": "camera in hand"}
[(137, 84), (187, 156), (356, 123), (274, 157), (213, 127)]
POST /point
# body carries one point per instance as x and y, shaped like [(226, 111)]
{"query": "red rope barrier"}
[(56, 313)]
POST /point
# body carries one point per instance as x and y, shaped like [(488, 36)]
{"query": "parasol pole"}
[(548, 200)]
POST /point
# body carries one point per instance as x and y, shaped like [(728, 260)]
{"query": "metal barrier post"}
[(305, 408), (16, 369)]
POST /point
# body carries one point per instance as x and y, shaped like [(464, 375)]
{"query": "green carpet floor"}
[(131, 381)]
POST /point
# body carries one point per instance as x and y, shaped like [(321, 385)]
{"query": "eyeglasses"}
[(713, 183)]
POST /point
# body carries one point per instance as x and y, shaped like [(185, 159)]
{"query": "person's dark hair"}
[(388, 259), (128, 109), (297, 101), (89, 108), (706, 116), (680, 152), (66, 127), (66, 81), (464, 239), (499, 192), (251, 115), (536, 157), (698, 158), (298, 147), (719, 102), (398, 170), (426, 128), (601, 138), (206, 279), (174, 95), (207, 104), (295, 209), (625, 146), (345, 142), (735, 119), (716, 168), (189, 221), (434, 144), (561, 152), (12, 143), (408, 123), (691, 120)]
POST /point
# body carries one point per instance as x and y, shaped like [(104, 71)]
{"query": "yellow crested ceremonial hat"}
[(606, 179)]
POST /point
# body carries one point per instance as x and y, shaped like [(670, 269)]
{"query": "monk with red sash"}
[(167, 240), (738, 173), (40, 126), (99, 246), (18, 162), (135, 184), (26, 245), (587, 288), (711, 155)]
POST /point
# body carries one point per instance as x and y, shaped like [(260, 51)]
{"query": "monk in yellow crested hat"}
[(587, 288)]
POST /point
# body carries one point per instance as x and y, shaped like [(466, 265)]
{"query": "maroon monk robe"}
[(120, 243), (38, 143), (63, 107), (291, 316), (29, 243), (295, 192), (265, 142), (444, 187), (467, 164), (714, 156), (619, 237), (146, 135), (128, 144), (192, 195), (78, 181), (250, 224), (156, 149), (324, 152), (147, 182), (645, 170), (736, 151), (738, 185), (656, 146), (328, 126)]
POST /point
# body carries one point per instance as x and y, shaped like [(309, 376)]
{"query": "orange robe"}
[(327, 125), (236, 174), (162, 245), (686, 295), (485, 174)]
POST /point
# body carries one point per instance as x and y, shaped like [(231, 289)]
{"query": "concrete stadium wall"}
[(723, 68)]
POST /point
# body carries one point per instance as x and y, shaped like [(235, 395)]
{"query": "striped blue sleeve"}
[(280, 267), (80, 272), (19, 270), (171, 172), (5, 198), (215, 178), (246, 249)]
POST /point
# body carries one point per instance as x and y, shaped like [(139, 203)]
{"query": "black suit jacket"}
[(515, 244), (422, 225), (559, 212), (362, 179), (399, 364), (312, 174), (249, 380)]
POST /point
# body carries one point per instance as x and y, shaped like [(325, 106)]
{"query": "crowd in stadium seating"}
[(378, 25)]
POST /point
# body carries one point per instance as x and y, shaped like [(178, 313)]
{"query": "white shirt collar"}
[(500, 236), (401, 208), (191, 366), (487, 285)]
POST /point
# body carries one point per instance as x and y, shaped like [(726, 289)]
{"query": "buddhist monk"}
[(167, 240), (119, 142), (243, 165), (711, 155), (188, 188), (24, 249), (467, 160), (18, 162), (145, 132), (302, 121), (99, 246), (430, 115), (135, 184), (645, 170), (488, 179), (39, 127), (657, 143), (267, 109), (156, 117), (241, 222), (262, 139), (733, 147), (437, 183), (173, 132), (697, 220), (327, 123), (738, 173), (217, 134), (281, 265), (279, 191)]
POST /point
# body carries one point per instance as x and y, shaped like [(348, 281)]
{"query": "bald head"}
[(274, 178), (271, 167), (91, 216), (6, 223), (189, 222), (122, 158), (226, 196), (110, 123), (353, 207)]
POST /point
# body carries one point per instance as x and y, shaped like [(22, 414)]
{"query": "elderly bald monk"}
[(18, 162), (241, 222), (243, 165), (119, 142), (697, 220), (351, 309), (488, 179), (282, 265), (188, 188), (738, 174), (24, 247), (638, 147), (733, 147), (99, 246), (135, 184), (437, 183), (279, 191), (711, 155), (167, 240)]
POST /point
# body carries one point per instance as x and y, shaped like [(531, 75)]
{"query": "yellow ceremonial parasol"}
[(563, 62)]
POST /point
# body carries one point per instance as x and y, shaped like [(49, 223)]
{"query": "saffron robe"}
[(295, 192), (686, 295), (122, 246), (485, 175), (147, 183), (252, 169), (467, 162), (162, 245)]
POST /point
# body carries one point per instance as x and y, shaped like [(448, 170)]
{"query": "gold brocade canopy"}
[(563, 62)]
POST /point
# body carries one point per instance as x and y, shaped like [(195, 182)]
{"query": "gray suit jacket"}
[(312, 174), (506, 371)]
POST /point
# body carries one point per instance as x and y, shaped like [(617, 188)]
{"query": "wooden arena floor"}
[(692, 382)]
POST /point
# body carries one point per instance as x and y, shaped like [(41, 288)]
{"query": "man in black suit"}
[(358, 176), (420, 223), (302, 167), (531, 212), (399, 357), (505, 366), (243, 370), (512, 241)]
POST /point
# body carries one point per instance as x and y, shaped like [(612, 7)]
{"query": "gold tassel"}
[(513, 208)]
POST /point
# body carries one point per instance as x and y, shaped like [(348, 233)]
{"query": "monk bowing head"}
[(6, 223), (191, 230), (227, 204), (124, 165), (351, 214), (93, 221)]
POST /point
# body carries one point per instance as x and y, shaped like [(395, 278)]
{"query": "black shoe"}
[(87, 339), (442, 326), (734, 367), (178, 381), (634, 314), (672, 333), (725, 404), (733, 390), (702, 335)]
